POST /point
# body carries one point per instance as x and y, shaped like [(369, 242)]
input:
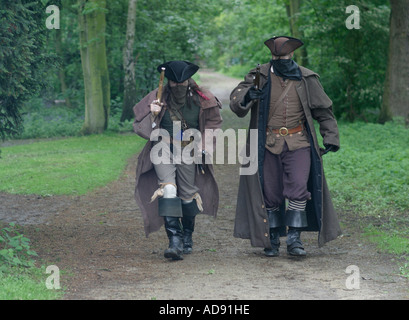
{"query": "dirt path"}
[(99, 240)]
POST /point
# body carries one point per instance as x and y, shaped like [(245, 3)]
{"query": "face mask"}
[(179, 94), (287, 69)]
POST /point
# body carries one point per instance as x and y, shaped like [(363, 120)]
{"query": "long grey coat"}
[(146, 179), (251, 216)]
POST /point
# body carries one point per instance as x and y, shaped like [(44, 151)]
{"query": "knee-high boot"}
[(171, 210), (190, 210), (275, 222)]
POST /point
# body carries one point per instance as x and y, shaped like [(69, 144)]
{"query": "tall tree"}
[(293, 12), (129, 64), (92, 25), (61, 71), (395, 100)]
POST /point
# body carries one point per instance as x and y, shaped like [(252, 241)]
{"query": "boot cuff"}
[(170, 207), (296, 218)]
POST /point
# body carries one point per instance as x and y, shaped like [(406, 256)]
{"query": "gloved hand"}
[(253, 93), (328, 148), (155, 107)]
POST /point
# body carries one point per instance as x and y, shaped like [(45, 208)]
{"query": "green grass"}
[(71, 166), (27, 285), (392, 241), (369, 177), (20, 279), (370, 173)]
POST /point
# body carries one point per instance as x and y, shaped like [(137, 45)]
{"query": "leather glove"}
[(253, 93), (328, 148), (155, 107)]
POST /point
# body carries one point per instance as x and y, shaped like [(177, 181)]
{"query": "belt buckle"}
[(280, 131)]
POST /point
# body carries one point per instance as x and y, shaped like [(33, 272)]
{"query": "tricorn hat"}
[(283, 45), (178, 71)]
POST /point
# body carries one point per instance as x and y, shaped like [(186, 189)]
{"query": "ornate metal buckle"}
[(280, 131)]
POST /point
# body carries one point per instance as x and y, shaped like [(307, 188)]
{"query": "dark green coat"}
[(251, 216)]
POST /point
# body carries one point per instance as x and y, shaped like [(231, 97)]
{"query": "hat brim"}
[(178, 70), (283, 45)]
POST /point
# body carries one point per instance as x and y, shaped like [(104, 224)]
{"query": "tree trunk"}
[(94, 65), (129, 65), (395, 100), (293, 9), (61, 72)]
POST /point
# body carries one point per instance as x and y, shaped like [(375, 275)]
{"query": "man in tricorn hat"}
[(289, 189), (170, 190)]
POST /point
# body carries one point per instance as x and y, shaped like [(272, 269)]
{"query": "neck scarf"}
[(178, 96), (286, 69)]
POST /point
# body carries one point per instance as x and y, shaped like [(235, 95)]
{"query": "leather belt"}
[(183, 143), (283, 131)]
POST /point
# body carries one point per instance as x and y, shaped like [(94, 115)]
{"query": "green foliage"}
[(168, 30), (374, 159), (66, 166), (24, 63), (351, 63), (15, 250), (235, 41)]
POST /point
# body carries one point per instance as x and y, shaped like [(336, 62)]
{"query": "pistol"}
[(257, 77), (160, 88), (159, 93)]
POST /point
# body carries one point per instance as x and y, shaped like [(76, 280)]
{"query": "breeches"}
[(286, 176), (181, 175)]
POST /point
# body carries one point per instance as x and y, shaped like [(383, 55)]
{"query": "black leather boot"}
[(294, 244), (275, 222), (171, 211), (190, 210), (175, 235), (188, 223), (295, 220)]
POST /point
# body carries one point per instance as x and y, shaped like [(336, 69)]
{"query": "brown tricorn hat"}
[(283, 45)]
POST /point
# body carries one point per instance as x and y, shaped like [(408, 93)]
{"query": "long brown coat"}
[(251, 216), (146, 179)]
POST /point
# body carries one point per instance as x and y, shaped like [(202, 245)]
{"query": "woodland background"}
[(86, 76)]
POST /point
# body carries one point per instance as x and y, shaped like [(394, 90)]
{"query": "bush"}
[(15, 249)]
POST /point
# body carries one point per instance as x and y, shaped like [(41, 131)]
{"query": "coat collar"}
[(265, 70)]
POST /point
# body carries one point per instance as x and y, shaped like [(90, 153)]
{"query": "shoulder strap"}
[(281, 97), (174, 113)]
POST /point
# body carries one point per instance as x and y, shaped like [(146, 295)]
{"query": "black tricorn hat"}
[(283, 45), (178, 71)]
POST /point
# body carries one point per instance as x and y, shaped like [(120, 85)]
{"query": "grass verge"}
[(369, 182), (71, 166)]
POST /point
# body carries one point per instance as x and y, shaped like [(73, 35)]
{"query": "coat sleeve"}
[(212, 121), (142, 124), (321, 111), (238, 103)]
